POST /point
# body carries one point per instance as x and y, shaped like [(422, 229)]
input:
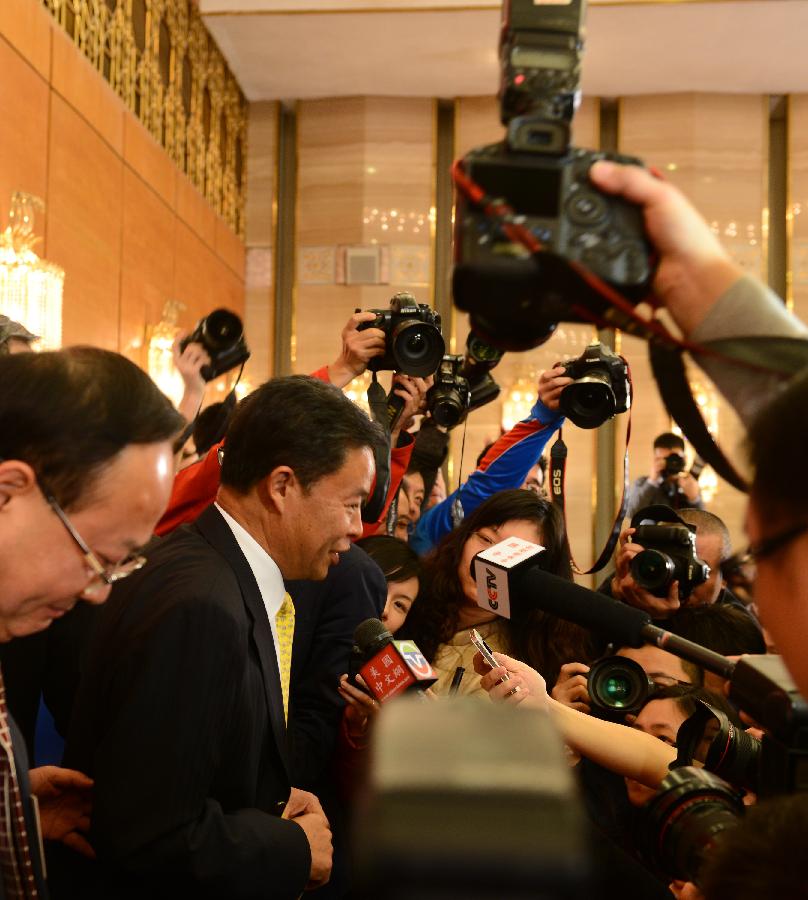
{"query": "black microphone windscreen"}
[(370, 633), (532, 588)]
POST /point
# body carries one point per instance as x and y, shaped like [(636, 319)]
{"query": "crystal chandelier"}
[(161, 352), (30, 287)]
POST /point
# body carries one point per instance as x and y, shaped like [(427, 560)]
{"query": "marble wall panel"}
[(27, 27), (798, 202), (80, 85), (24, 102), (365, 177), (85, 182), (109, 191), (261, 214), (714, 147), (147, 278), (145, 156)]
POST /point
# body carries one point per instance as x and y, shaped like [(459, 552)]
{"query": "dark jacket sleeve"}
[(171, 711), (355, 590)]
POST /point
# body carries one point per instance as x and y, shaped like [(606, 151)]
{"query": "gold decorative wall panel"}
[(159, 58)]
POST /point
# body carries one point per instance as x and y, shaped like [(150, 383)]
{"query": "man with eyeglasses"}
[(86, 468)]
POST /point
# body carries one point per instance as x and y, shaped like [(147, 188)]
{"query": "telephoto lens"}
[(686, 819)]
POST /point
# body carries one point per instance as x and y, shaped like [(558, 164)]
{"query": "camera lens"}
[(686, 818), (417, 348), (653, 570), (221, 329), (589, 402), (448, 410), (617, 684)]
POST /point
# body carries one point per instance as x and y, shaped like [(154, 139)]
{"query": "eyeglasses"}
[(769, 546), (102, 576)]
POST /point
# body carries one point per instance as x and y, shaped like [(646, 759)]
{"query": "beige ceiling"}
[(300, 49)]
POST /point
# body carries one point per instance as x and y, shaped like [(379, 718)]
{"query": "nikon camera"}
[(515, 297), (600, 388), (669, 554), (413, 341)]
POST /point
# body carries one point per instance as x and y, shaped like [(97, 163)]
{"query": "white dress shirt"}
[(265, 570)]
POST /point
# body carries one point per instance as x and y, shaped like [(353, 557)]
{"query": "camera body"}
[(222, 335), (669, 553), (413, 341), (674, 465), (516, 297), (600, 390), (449, 397)]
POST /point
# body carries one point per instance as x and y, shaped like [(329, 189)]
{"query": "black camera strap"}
[(558, 466), (668, 366), (377, 401), (771, 356)]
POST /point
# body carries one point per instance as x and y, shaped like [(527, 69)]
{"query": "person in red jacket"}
[(195, 486)]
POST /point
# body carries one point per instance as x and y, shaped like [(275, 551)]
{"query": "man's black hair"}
[(669, 441), (775, 446), (68, 413), (295, 421), (211, 425), (719, 627)]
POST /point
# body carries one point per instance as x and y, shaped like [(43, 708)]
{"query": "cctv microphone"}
[(509, 578), (390, 667)]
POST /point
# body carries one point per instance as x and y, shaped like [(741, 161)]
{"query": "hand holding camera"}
[(571, 687), (625, 588), (359, 346)]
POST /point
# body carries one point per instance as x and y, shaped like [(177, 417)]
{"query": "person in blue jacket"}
[(505, 465)]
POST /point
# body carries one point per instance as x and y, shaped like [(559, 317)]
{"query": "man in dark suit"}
[(85, 471), (180, 717)]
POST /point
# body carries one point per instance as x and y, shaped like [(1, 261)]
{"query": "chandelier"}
[(161, 352), (30, 287)]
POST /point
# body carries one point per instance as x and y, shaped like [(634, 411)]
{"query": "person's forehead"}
[(653, 659), (709, 545)]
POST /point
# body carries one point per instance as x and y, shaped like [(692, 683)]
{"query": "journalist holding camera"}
[(669, 482)]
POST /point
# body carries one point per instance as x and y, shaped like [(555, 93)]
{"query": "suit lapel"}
[(217, 532)]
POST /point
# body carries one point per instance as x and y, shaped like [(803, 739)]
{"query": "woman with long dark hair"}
[(441, 622)]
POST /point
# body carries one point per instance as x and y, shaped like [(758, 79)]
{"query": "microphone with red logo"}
[(390, 667)]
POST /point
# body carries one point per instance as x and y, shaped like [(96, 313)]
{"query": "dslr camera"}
[(520, 271), (464, 383), (600, 389), (222, 335), (618, 686), (669, 554), (674, 465), (413, 341)]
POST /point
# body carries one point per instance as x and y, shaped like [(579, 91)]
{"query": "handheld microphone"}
[(509, 578), (390, 667)]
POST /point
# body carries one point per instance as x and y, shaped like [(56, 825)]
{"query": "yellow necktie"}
[(285, 630)]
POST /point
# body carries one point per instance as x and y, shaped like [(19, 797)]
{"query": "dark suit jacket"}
[(326, 615), (179, 720)]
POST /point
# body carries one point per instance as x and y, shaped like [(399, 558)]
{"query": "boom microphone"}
[(390, 667), (509, 578)]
